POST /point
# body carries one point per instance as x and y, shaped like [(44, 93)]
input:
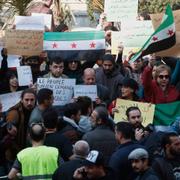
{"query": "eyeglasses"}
[(163, 76)]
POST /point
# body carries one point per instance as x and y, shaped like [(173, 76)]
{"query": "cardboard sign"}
[(10, 99), (132, 35), (22, 42), (29, 23), (86, 90), (24, 75), (156, 21), (47, 19), (62, 88), (147, 110), (157, 18), (118, 10)]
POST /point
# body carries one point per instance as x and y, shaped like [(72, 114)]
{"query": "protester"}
[(141, 164), (54, 138), (66, 170), (71, 118), (109, 75), (45, 100), (119, 160), (168, 166), (102, 137), (86, 106), (18, 118), (73, 69), (89, 78), (94, 168), (128, 91), (56, 67), (159, 90), (38, 161)]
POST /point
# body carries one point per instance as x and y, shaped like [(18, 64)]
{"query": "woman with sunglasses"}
[(159, 90)]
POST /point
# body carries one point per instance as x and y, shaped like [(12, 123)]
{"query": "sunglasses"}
[(163, 76)]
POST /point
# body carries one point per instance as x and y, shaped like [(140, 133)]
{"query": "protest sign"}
[(119, 10), (133, 34), (29, 23), (147, 110), (24, 75), (86, 90), (47, 19), (156, 20), (23, 42), (10, 99), (12, 60), (62, 88)]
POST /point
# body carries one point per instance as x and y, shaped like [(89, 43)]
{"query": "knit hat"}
[(108, 57)]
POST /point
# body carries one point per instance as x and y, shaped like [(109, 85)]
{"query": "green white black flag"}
[(163, 38)]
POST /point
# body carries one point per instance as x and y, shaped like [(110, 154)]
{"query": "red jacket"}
[(153, 93)]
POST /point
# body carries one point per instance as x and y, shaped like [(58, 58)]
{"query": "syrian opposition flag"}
[(87, 45), (166, 115), (163, 37)]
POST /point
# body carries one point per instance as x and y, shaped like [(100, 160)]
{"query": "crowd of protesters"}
[(80, 140)]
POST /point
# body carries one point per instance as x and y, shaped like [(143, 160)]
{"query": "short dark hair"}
[(102, 113), (132, 108), (126, 129), (50, 117), (166, 139), (28, 91), (37, 133), (44, 94), (84, 102), (56, 61), (71, 109)]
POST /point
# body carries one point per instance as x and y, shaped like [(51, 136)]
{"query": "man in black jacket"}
[(66, 170), (168, 167)]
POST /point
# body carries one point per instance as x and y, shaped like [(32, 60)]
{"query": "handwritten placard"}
[(23, 42), (29, 23), (47, 19), (174, 51), (24, 75), (133, 35), (10, 99), (62, 88), (118, 10), (147, 110), (86, 90)]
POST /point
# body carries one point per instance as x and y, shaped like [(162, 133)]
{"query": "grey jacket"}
[(112, 82)]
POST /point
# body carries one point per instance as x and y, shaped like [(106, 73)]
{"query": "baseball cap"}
[(138, 153), (94, 158)]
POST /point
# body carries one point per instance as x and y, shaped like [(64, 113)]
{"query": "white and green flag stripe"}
[(87, 45), (163, 37)]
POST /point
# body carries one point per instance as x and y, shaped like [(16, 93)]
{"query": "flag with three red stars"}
[(163, 38), (84, 45)]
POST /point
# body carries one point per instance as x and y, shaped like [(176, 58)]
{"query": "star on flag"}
[(170, 32), (155, 38), (92, 45), (73, 45), (54, 45)]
